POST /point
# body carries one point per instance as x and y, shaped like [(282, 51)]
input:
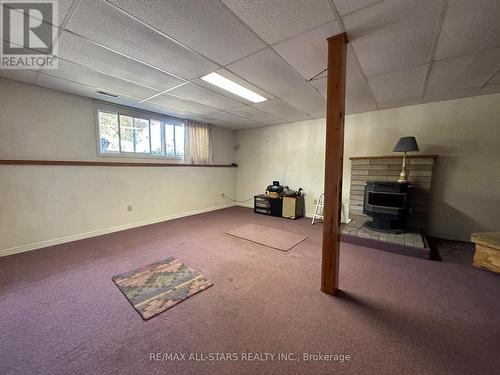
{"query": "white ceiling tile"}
[(212, 121), (462, 72), (181, 105), (307, 52), (249, 126), (448, 95), (205, 26), (267, 70), (495, 78), (276, 20), (308, 100), (348, 6), (60, 84), (393, 35), (99, 81), (403, 102), (63, 7), (145, 106), (152, 107), (490, 89), (102, 23), (70, 87), (358, 96), (469, 26), (401, 84), (255, 114), (282, 110), (64, 85), (84, 52), (320, 84), (228, 118), (199, 94), (123, 101), (22, 75), (221, 124)]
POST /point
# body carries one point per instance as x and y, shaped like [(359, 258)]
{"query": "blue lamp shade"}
[(406, 144)]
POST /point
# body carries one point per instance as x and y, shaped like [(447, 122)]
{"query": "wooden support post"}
[(334, 149)]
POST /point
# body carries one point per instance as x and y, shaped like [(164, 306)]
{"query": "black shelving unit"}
[(267, 206)]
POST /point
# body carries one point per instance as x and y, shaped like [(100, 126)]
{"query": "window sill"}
[(139, 156)]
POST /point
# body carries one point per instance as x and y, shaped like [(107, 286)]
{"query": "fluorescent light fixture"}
[(228, 85)]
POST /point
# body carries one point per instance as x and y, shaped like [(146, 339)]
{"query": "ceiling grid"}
[(153, 53), (437, 34)]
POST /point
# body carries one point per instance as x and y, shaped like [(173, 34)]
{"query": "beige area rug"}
[(271, 237)]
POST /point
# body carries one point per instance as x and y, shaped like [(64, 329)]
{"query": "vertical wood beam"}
[(334, 150)]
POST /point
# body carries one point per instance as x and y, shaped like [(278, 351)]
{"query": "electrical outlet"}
[(129, 207)]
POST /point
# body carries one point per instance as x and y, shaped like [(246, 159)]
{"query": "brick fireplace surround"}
[(387, 168)]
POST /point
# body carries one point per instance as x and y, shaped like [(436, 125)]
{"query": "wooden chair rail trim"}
[(109, 163), (394, 157)]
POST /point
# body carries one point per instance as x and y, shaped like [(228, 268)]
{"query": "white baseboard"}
[(309, 215), (247, 205), (99, 232)]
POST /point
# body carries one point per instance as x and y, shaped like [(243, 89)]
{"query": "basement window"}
[(128, 132)]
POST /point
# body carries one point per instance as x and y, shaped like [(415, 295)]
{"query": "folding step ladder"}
[(318, 211)]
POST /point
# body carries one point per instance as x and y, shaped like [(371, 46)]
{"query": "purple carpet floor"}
[(60, 313), (268, 236)]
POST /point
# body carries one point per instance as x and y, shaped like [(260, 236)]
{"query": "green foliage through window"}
[(124, 134)]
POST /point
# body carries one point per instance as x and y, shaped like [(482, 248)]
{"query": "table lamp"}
[(405, 144)]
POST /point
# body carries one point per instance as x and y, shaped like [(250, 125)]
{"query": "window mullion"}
[(119, 134), (133, 134), (175, 141), (163, 145), (149, 127)]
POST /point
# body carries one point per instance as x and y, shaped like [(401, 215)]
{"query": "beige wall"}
[(464, 132), (44, 205), (291, 153), (41, 206)]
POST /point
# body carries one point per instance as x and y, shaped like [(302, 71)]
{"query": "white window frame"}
[(136, 113)]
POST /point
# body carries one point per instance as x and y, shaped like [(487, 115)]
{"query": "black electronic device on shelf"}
[(266, 205), (280, 201)]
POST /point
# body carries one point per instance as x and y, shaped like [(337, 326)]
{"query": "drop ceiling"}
[(152, 54)]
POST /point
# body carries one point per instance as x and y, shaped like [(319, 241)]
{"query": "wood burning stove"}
[(387, 204)]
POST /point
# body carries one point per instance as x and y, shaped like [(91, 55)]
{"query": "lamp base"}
[(402, 178)]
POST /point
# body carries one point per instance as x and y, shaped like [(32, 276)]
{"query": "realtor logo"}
[(28, 34)]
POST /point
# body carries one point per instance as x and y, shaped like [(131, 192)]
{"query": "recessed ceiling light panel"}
[(228, 85)]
